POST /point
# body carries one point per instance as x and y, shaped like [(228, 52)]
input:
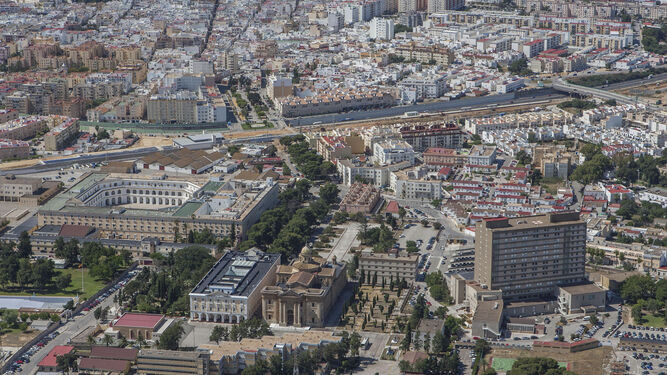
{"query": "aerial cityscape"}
[(380, 187)]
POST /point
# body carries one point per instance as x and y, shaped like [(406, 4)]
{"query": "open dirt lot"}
[(589, 362), (653, 91)]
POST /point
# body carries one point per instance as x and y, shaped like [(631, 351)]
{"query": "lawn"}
[(505, 364), (653, 321), (248, 126), (91, 286)]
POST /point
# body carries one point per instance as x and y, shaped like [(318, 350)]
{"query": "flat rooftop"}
[(228, 348), (237, 273), (139, 320)]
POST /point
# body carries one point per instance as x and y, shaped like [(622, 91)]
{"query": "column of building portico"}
[(283, 314), (297, 314)]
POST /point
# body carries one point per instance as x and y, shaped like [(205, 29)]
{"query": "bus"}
[(411, 114), (365, 343)]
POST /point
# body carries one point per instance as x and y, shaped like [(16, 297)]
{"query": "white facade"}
[(424, 87), (393, 151), (382, 29)]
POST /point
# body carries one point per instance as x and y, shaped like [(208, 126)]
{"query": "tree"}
[(427, 342), (63, 281), (217, 334), (437, 225), (107, 340), (24, 275), (638, 287), (67, 362), (24, 248), (97, 313), (401, 213), (171, 337), (43, 271), (329, 192), (523, 158)]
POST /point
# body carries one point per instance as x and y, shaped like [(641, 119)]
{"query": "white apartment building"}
[(382, 29), (425, 86), (278, 87), (406, 186), (435, 6), (393, 151)]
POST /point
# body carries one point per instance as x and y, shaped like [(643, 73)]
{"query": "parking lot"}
[(27, 363)]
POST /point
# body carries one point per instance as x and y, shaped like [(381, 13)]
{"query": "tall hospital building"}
[(528, 257)]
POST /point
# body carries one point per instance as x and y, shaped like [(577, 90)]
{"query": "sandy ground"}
[(652, 91), (250, 133), (145, 141)]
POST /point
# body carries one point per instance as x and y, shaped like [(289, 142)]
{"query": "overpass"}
[(561, 85)]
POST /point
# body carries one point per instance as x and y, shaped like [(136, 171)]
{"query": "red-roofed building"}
[(616, 193), (444, 173), (104, 366), (392, 208), (131, 325), (48, 364), (109, 352)]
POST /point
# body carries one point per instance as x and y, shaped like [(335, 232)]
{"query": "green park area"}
[(91, 286), (505, 364)]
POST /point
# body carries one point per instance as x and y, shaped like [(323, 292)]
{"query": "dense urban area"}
[(218, 187)]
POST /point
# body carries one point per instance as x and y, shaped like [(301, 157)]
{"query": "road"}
[(637, 82), (562, 85), (434, 107), (82, 159), (67, 331)]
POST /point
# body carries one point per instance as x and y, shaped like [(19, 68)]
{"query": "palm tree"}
[(91, 340), (107, 339)]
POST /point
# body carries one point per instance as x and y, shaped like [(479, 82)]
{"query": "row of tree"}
[(165, 290), (309, 162), (103, 262), (286, 229), (340, 357), (253, 328)]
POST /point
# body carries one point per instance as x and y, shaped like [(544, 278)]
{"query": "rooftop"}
[(237, 273), (50, 359), (139, 320)]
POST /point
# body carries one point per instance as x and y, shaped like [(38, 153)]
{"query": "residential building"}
[(279, 87), (62, 134), (437, 157), (422, 137), (305, 291), (381, 29), (425, 86), (232, 290), (528, 257), (436, 6), (360, 198), (409, 185), (334, 101), (431, 54), (389, 266), (13, 149), (392, 152), (23, 128)]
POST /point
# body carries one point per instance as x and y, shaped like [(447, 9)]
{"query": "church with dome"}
[(305, 291)]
